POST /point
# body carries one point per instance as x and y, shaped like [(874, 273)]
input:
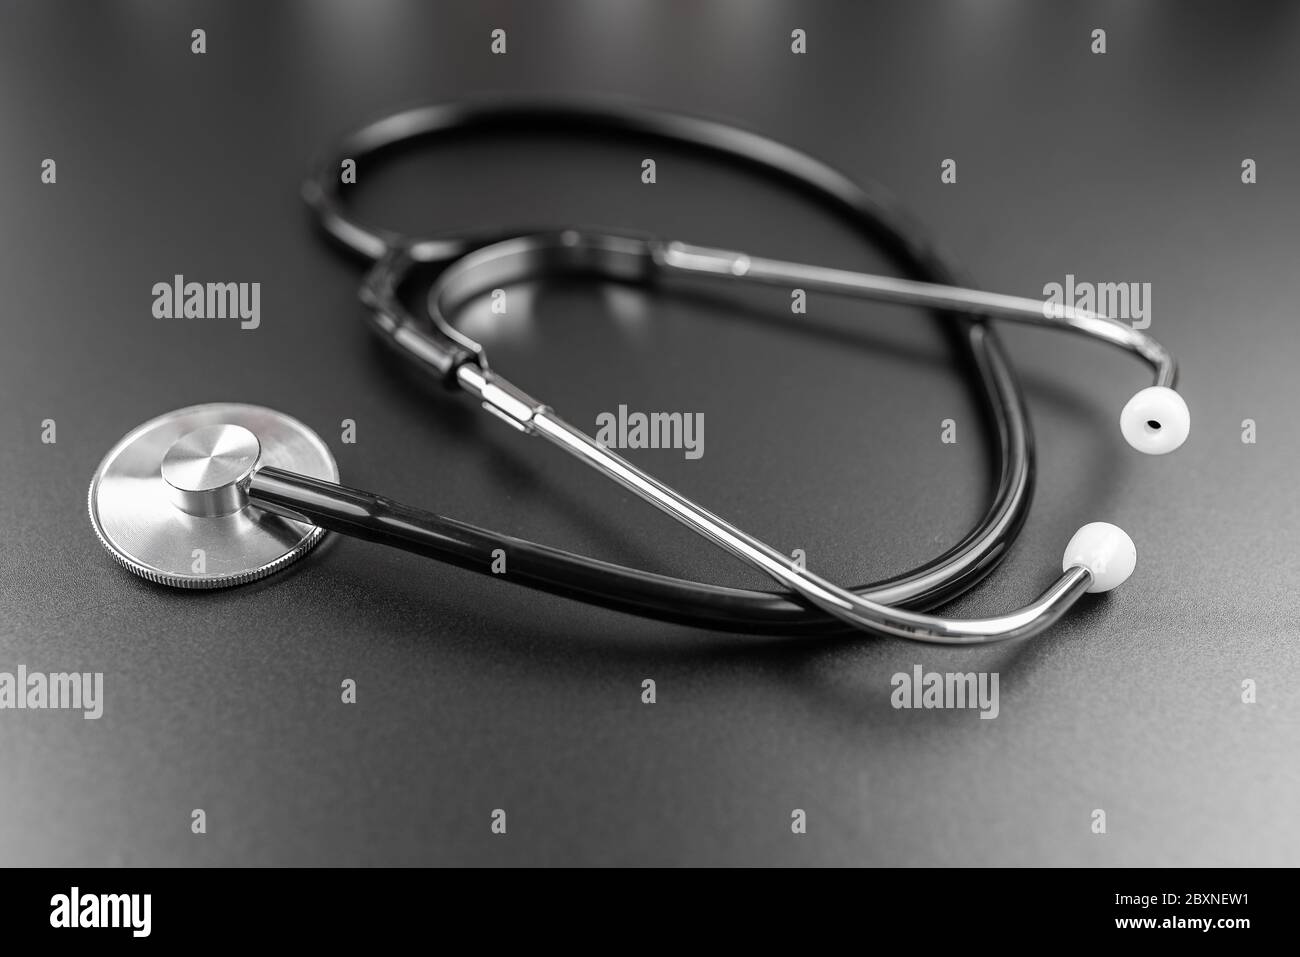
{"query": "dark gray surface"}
[(475, 694)]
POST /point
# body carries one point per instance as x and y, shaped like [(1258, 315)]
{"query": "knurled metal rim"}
[(197, 584)]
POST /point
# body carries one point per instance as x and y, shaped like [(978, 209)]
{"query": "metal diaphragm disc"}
[(135, 510)]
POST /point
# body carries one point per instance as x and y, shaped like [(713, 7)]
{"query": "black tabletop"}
[(823, 433)]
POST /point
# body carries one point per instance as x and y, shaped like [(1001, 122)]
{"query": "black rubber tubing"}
[(869, 210)]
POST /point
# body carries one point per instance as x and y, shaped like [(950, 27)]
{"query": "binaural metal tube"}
[(687, 259), (526, 414)]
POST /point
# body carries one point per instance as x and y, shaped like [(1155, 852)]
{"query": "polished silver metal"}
[(686, 259), (534, 418), (207, 471), (607, 256), (169, 501), (622, 258)]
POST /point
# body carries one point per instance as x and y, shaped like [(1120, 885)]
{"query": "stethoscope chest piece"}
[(170, 501)]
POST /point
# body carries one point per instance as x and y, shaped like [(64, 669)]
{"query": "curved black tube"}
[(869, 211)]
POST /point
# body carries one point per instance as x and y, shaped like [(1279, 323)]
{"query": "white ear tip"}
[(1106, 551), (1156, 420)]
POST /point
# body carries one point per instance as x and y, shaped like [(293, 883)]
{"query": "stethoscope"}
[(224, 493)]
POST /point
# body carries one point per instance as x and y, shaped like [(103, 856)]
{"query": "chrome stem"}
[(526, 414), (684, 258)]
